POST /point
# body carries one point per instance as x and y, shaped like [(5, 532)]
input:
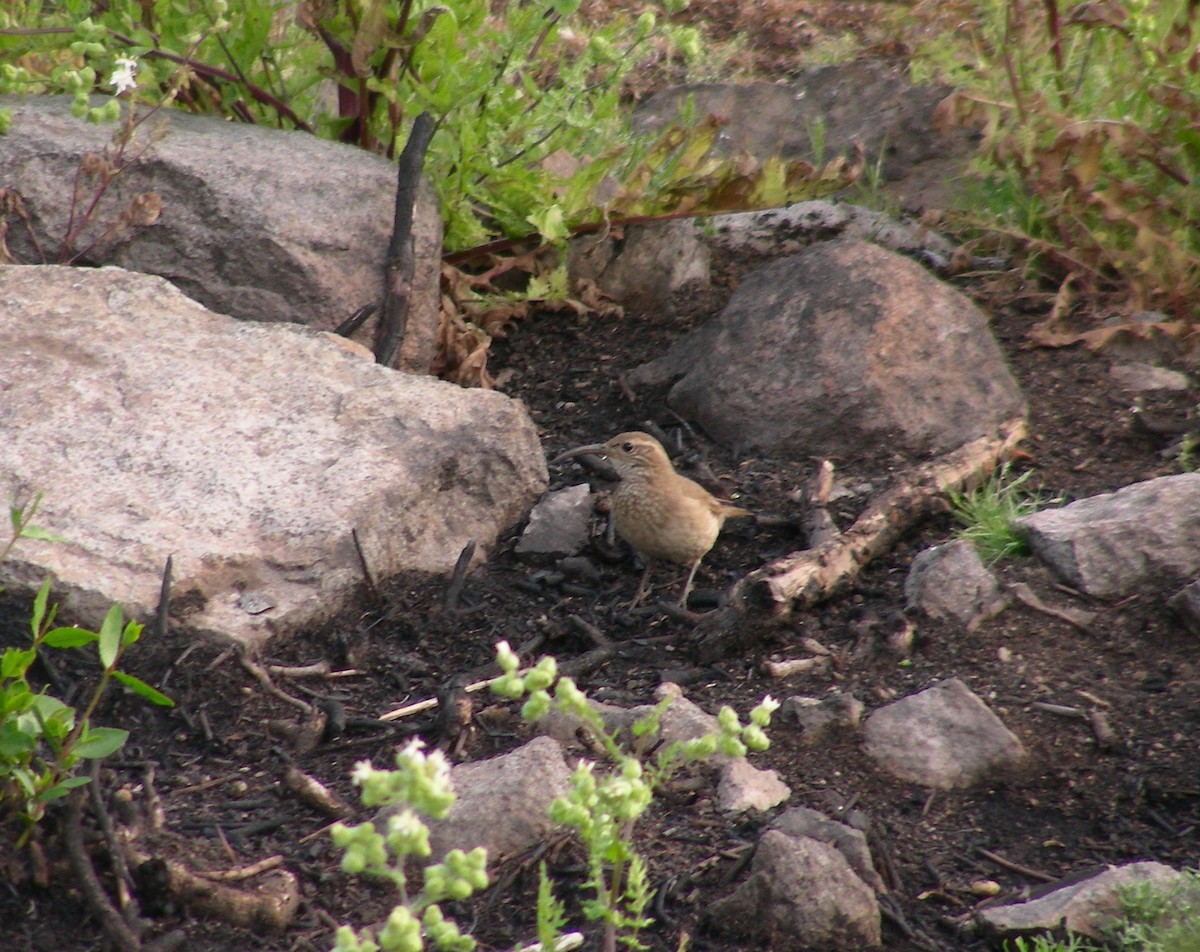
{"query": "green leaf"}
[(15, 744), (100, 742), (62, 788), (132, 632), (39, 608), (141, 688), (26, 780), (15, 662), (110, 637), (69, 637), (37, 532)]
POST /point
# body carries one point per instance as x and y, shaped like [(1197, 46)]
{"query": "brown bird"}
[(661, 514)]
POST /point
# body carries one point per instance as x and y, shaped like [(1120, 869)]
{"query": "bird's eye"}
[(627, 446)]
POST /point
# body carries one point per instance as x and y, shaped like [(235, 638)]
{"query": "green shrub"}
[(530, 130), (42, 739), (1091, 149)]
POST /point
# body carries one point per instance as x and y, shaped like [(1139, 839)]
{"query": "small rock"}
[(1186, 604), (1138, 378), (502, 802), (649, 263), (558, 525), (818, 717), (1113, 544), (944, 737), (1085, 907), (851, 843), (801, 895), (951, 581), (744, 787), (908, 361)]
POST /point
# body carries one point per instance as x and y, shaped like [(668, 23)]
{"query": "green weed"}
[(42, 739), (987, 513)]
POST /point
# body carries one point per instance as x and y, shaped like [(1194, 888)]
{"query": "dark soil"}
[(218, 769)]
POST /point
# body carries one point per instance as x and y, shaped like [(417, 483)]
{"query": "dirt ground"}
[(217, 769)]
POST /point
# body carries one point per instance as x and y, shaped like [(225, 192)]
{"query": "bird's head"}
[(631, 454)]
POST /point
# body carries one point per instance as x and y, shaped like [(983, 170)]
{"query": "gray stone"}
[(257, 223), (502, 802), (801, 894), (1186, 604), (944, 737), (1085, 907), (851, 843), (837, 351), (744, 787), (247, 452), (1112, 545), (866, 102), (558, 525), (951, 581), (818, 717), (1139, 377), (649, 262), (786, 231)]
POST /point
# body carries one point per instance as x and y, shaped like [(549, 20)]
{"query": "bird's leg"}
[(641, 592), (687, 586)]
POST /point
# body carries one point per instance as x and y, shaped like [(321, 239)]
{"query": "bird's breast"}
[(662, 525)]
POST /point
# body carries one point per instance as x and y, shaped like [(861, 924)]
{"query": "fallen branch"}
[(805, 578), (271, 907)]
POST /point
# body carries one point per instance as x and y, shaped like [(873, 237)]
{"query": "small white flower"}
[(124, 76)]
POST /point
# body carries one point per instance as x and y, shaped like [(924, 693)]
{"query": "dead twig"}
[(269, 686), (114, 925), (1060, 710), (401, 256), (372, 588), (819, 527), (1015, 867), (1072, 616), (164, 599), (243, 872), (355, 320), (782, 669), (313, 793), (125, 884), (458, 578)]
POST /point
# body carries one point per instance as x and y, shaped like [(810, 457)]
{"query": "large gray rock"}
[(257, 223), (841, 350), (247, 452), (863, 101), (943, 737), (1112, 545)]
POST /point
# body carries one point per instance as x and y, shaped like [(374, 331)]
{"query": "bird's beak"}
[(593, 449)]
